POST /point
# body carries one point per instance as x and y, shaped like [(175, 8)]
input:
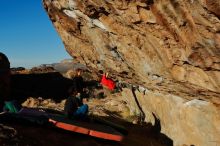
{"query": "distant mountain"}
[(64, 65)]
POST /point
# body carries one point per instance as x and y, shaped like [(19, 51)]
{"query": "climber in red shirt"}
[(110, 84)]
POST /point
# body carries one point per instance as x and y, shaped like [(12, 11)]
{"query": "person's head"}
[(101, 72)]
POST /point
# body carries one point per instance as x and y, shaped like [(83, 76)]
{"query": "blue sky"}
[(27, 36)]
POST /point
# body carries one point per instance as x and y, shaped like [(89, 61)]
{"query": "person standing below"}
[(78, 82), (74, 107)]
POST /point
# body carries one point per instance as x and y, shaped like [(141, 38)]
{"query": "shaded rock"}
[(42, 69), (17, 69), (4, 62), (214, 6), (4, 78), (7, 132), (46, 85)]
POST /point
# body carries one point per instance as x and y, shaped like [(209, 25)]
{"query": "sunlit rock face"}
[(186, 122), (170, 48), (134, 38)]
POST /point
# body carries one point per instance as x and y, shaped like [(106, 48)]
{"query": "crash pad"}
[(32, 111), (25, 115), (88, 128)]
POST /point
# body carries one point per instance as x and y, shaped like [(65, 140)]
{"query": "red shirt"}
[(108, 82)]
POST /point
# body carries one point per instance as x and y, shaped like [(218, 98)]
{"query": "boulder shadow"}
[(46, 85), (157, 133), (47, 134), (140, 135)]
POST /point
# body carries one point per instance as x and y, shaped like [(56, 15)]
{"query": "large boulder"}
[(186, 121), (168, 47), (136, 38)]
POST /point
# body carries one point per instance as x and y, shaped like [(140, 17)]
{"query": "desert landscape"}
[(164, 56)]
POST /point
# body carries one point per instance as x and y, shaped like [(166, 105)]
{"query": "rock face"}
[(171, 48), (189, 122), (214, 6), (137, 38)]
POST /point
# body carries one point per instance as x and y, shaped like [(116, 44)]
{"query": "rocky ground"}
[(111, 108)]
